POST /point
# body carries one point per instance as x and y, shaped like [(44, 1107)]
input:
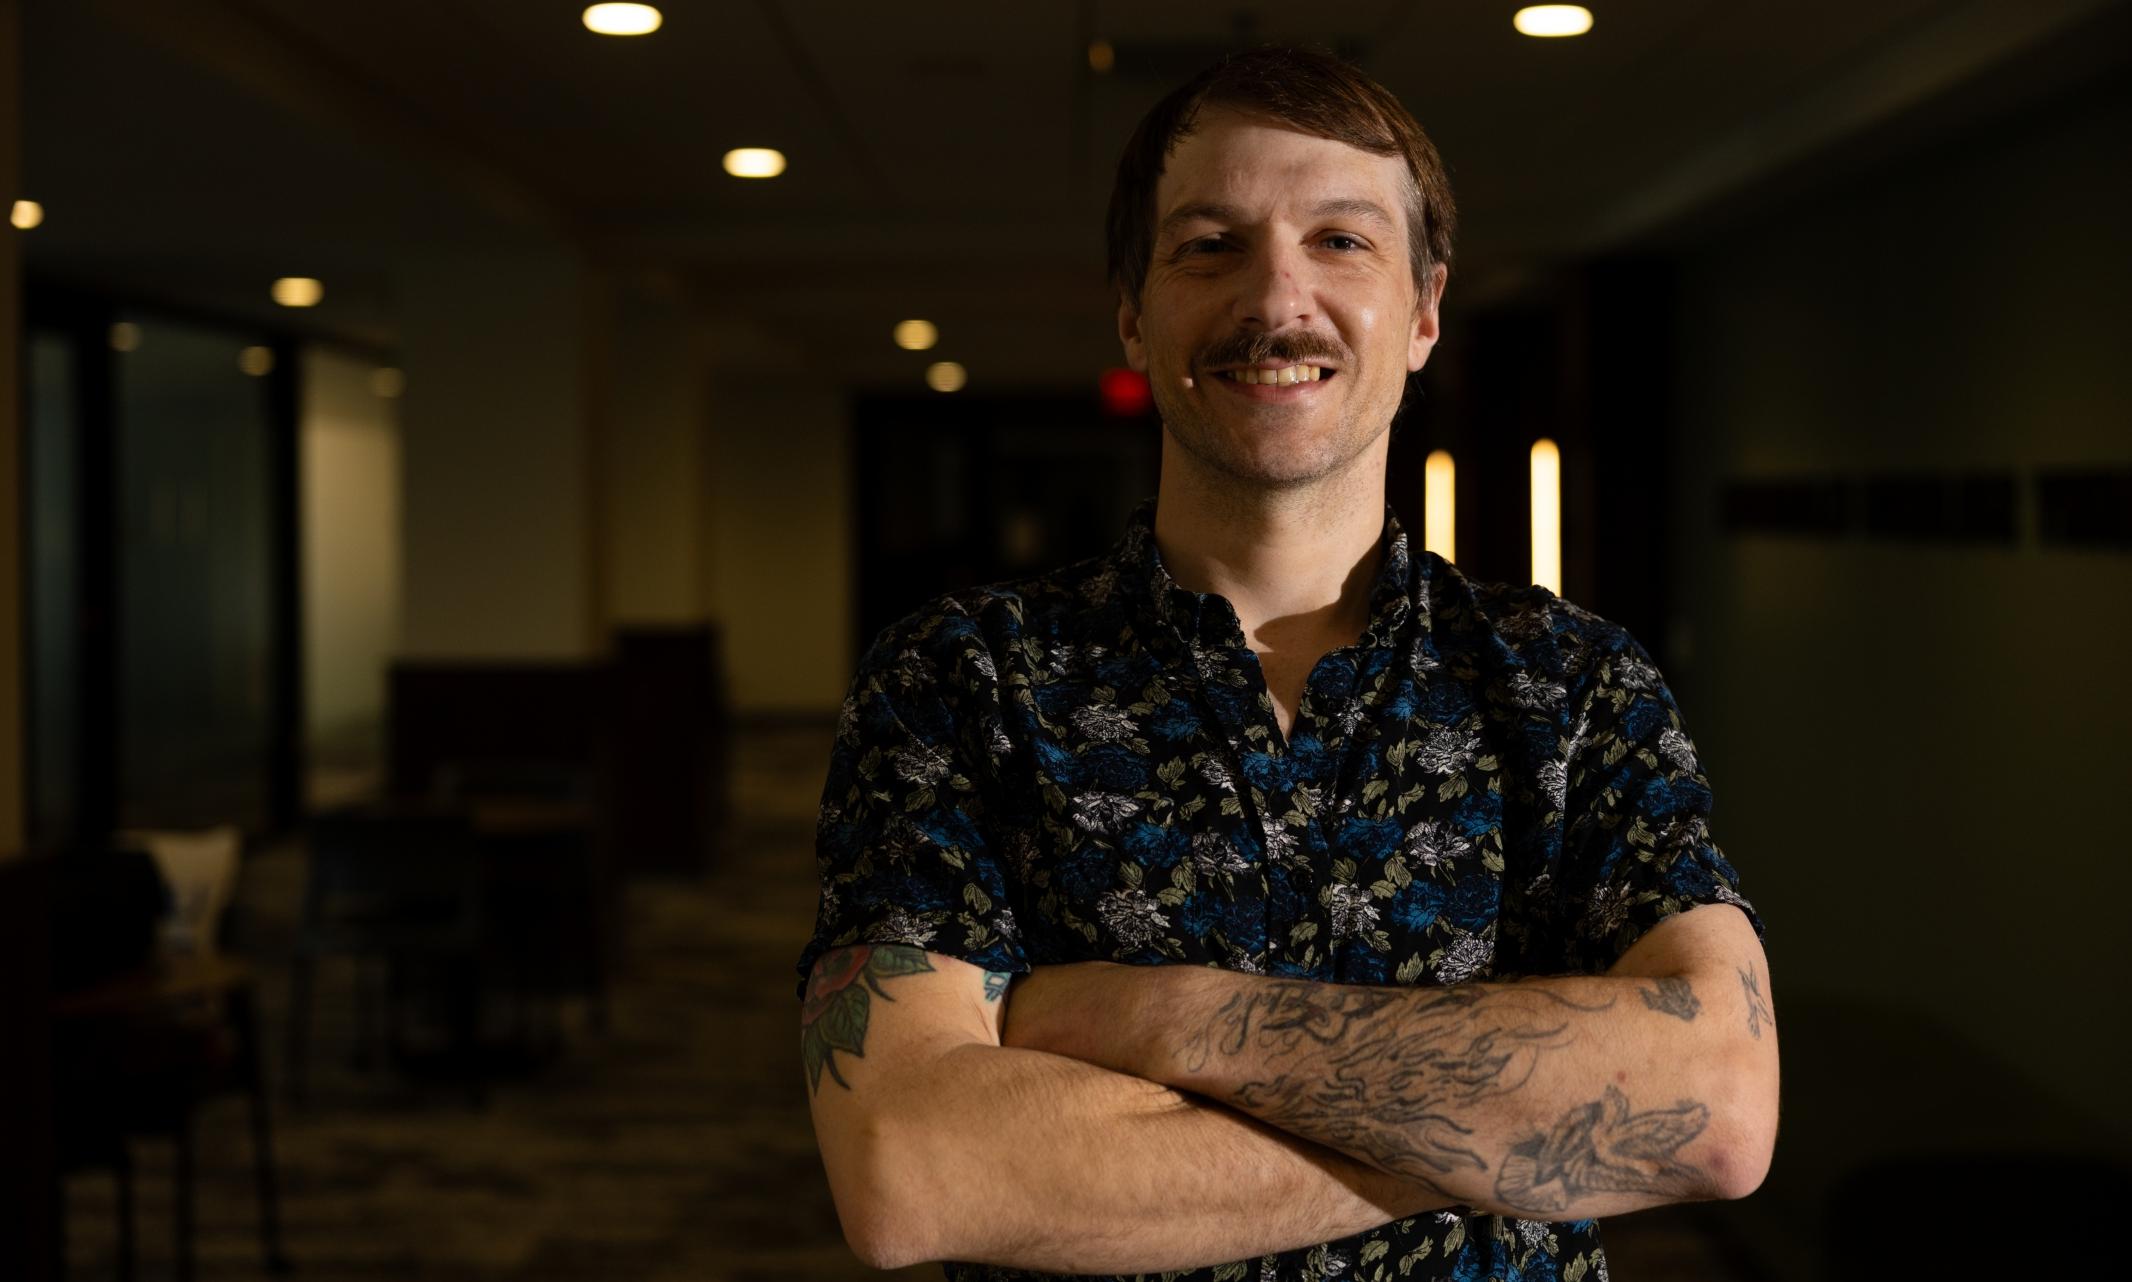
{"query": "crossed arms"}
[(1121, 1119)]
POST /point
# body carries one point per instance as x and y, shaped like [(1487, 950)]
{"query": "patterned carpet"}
[(673, 1146)]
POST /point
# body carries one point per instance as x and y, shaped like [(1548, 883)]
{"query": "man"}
[(1263, 901)]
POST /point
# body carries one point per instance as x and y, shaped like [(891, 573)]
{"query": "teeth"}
[(1270, 377)]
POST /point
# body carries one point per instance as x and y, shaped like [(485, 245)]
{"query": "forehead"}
[(1264, 167)]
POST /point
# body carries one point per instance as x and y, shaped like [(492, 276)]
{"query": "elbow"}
[(1745, 1136), (874, 1181)]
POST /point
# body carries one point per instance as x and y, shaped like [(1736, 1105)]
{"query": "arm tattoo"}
[(1601, 1147), (996, 984), (1757, 1009), (839, 1002), (1381, 1073), (1674, 996)]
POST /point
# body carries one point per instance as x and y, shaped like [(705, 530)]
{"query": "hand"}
[(1090, 1011)]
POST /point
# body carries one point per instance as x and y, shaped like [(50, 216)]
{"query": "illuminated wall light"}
[(125, 337), (622, 19), (1553, 20), (298, 291), (26, 214), (1439, 513), (755, 162), (256, 361), (916, 335), (1547, 515), (1101, 57), (946, 376), (387, 383)]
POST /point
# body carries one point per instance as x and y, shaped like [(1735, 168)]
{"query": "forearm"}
[(1548, 1098), (1552, 1098), (1036, 1161)]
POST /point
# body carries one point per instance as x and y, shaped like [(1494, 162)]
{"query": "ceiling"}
[(948, 158)]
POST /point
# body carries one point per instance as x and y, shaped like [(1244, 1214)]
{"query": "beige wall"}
[(350, 505), (497, 549), (781, 529), (653, 471), (1919, 751)]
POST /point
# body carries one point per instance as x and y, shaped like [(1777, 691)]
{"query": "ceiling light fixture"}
[(1101, 57), (946, 376), (1553, 20), (755, 162), (125, 337), (26, 214), (916, 335), (298, 291), (622, 19), (256, 361)]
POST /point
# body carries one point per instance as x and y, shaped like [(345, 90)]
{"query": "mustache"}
[(1289, 349)]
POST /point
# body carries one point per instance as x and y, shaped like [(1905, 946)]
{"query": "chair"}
[(140, 1041), (397, 882)]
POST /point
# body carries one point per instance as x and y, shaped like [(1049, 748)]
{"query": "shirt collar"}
[(1209, 618)]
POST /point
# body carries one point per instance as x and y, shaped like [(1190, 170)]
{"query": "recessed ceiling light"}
[(755, 162), (916, 335), (946, 376), (298, 291), (1553, 20), (27, 214), (622, 19), (256, 361), (387, 383)]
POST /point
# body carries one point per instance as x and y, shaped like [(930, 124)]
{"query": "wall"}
[(653, 473), (349, 461), (1918, 749), (781, 529), (497, 546)]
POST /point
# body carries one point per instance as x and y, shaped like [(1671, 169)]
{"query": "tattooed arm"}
[(1545, 1098), (941, 1144)]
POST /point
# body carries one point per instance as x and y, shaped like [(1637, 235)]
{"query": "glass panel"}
[(195, 626)]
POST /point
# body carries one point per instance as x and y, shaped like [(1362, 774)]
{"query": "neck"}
[(1296, 564)]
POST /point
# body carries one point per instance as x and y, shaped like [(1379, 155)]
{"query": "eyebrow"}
[(1337, 207)]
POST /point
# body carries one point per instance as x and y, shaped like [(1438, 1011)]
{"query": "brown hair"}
[(1307, 90)]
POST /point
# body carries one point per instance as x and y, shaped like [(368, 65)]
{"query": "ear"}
[(1423, 340), (1129, 334)]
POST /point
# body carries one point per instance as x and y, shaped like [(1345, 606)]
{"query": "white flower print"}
[(1467, 956), (1528, 691), (1352, 912), (921, 764), (1631, 672), (848, 718), (1103, 722), (1448, 751), (1216, 774), (1430, 843), (1214, 855), (1003, 922), (1132, 917), (1062, 657), (1534, 1233), (982, 661), (1103, 811), (1002, 745), (899, 926), (1280, 844), (915, 667), (1609, 908), (1674, 747), (1553, 778)]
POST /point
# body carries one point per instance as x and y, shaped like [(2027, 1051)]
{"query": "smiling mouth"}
[(1283, 376)]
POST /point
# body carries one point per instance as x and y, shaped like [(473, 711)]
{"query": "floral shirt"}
[(1086, 765)]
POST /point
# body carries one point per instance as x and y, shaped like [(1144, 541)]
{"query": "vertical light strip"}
[(1439, 513), (1547, 515)]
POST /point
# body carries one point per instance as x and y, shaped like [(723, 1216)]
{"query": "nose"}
[(1273, 290)]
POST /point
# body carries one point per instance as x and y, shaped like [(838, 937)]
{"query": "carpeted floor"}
[(673, 1146)]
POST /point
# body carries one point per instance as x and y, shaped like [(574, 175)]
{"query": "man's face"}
[(1277, 255)]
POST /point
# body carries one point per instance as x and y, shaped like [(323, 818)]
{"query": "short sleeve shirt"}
[(1085, 765)]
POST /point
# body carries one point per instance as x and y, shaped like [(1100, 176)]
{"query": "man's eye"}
[(1206, 245), (1341, 241)]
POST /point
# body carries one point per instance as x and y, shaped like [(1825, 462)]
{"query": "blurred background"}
[(447, 501)]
